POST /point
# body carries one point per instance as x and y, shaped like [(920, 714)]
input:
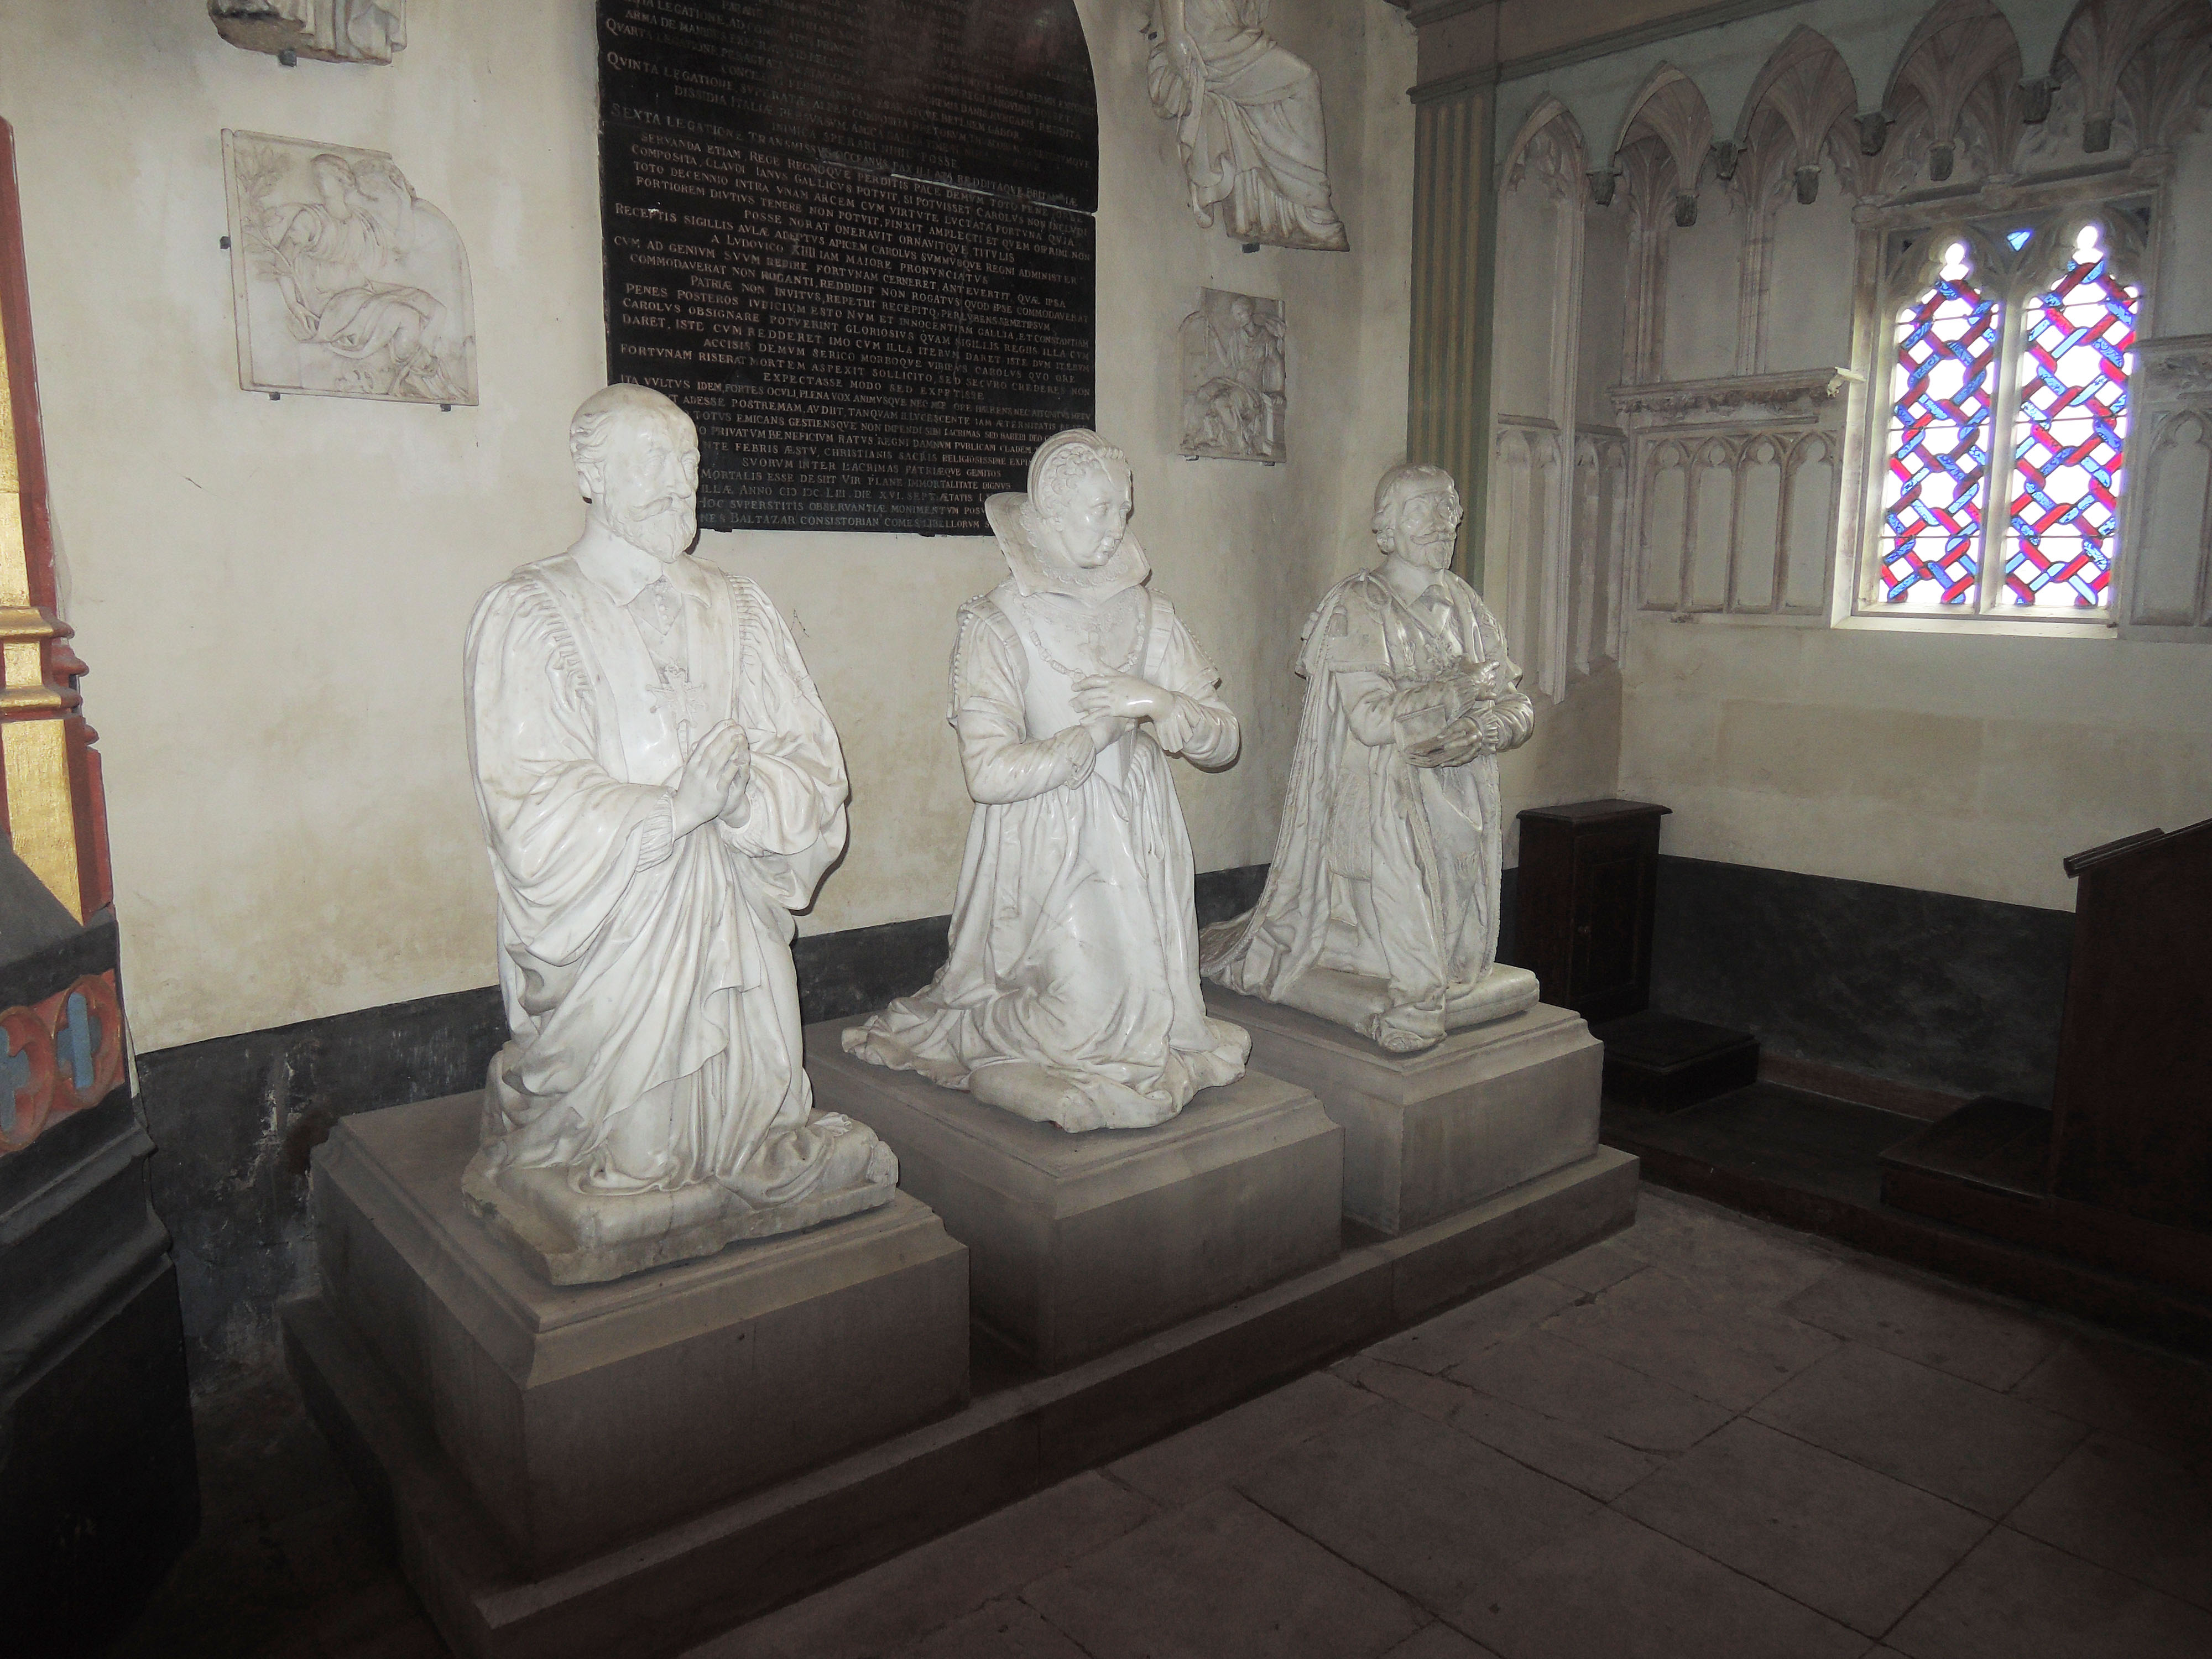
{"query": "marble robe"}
[(1074, 944), (1254, 142), (1384, 868), (644, 973)]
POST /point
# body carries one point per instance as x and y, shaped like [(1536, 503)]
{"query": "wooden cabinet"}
[(1587, 890)]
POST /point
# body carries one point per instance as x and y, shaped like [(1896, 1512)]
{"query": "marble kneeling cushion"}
[(584, 1416), (1428, 1134), (1080, 1244)]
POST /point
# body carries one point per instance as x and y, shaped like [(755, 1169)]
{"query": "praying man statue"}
[(1072, 994), (1381, 906), (661, 788)]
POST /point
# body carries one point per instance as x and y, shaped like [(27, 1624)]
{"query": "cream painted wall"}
[(272, 594), (1954, 763)]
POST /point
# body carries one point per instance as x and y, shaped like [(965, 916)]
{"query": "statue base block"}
[(1427, 1134), (1079, 1243), (587, 1238), (582, 1416)]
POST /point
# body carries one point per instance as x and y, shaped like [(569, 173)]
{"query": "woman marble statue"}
[(661, 788), (1381, 906), (1072, 994), (1248, 116)]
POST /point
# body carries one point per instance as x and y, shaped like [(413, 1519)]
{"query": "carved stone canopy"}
[(329, 31)]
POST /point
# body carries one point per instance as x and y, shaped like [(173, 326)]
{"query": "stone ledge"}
[(663, 1592)]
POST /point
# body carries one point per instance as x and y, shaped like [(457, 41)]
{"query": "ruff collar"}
[(1128, 568)]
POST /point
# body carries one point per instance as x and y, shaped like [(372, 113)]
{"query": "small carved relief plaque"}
[(1234, 387), (347, 284)]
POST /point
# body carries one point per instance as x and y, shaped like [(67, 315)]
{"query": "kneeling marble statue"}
[(1072, 994), (1381, 906), (661, 787)]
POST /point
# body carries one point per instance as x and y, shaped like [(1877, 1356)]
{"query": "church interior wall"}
[(277, 687), (1915, 755), (272, 594)]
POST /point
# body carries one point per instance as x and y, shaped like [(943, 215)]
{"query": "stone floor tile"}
[(418, 1639), (1614, 1589), (2129, 1508), (1221, 1579), (1927, 1428), (2155, 1399), (1428, 1510), (1547, 1374), (1755, 1260), (1005, 1629), (1589, 1462), (1606, 1262), (1461, 1332), (1586, 1461), (1923, 1319), (1200, 1459), (1704, 1339), (1854, 1545), (913, 1594), (2015, 1598), (1417, 1391), (1438, 1641)]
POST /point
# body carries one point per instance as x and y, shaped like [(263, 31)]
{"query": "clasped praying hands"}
[(714, 778)]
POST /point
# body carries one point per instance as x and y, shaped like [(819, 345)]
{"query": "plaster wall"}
[(272, 594), (1952, 763)]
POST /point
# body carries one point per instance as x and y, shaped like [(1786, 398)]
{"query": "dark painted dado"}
[(1958, 995), (235, 1118)]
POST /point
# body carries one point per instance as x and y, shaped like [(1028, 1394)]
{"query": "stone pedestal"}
[(1079, 1243), (1426, 1135), (581, 1417)]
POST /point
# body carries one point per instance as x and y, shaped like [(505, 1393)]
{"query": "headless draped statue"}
[(1248, 121), (1072, 994), (1381, 908), (661, 788)]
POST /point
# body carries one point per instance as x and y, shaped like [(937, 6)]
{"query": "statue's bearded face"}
[(1426, 528), (1084, 522), (646, 484)]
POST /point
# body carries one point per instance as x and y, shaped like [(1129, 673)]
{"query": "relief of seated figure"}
[(1381, 908), (1071, 995)]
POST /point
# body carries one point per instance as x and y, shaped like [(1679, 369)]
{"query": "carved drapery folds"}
[(330, 31)]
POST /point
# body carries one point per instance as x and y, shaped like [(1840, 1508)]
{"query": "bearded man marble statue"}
[(661, 788), (1381, 908), (1072, 992)]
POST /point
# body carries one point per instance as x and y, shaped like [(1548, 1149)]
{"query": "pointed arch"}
[(1671, 109), (1549, 113), (1800, 111)]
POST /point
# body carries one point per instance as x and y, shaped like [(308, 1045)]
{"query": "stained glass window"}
[(2077, 344), (2007, 426), (1939, 447)]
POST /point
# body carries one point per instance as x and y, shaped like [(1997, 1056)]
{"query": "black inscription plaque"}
[(854, 242)]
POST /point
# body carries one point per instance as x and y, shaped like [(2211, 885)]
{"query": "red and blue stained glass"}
[(1939, 450), (2077, 342)]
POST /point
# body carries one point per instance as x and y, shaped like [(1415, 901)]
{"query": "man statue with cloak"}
[(1247, 116), (1381, 906), (1072, 992), (661, 788)]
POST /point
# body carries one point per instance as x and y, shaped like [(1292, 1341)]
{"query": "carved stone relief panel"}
[(331, 31), (1235, 388), (347, 284)]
